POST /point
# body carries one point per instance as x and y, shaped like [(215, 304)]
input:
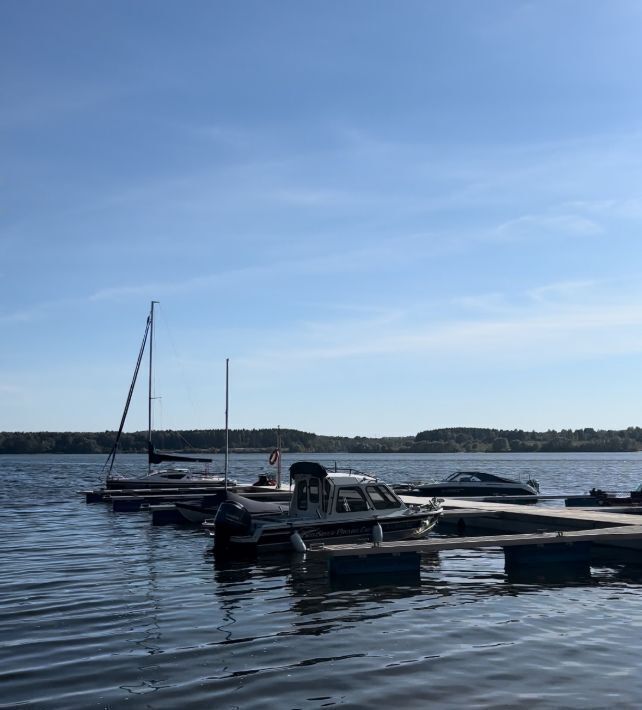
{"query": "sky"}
[(390, 217)]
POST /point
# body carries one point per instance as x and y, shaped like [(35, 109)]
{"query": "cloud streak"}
[(522, 337)]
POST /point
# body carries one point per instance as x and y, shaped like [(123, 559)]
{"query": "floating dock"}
[(526, 549), (499, 517), (538, 535)]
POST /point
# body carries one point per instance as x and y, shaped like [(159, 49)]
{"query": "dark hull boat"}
[(472, 484), (168, 478), (337, 506), (597, 497), (276, 535), (196, 512)]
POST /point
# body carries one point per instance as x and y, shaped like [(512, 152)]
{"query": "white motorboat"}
[(326, 506)]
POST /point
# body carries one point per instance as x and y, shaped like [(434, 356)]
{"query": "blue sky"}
[(389, 216)]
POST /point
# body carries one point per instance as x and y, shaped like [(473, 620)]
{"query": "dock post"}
[(126, 506), (167, 515), (405, 563), (538, 555)]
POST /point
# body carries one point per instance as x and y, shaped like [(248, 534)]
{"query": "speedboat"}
[(598, 497), (472, 484), (326, 506)]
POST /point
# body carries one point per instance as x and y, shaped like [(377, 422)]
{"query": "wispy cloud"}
[(562, 290), (621, 208), (524, 335), (36, 312), (560, 225), (56, 100), (310, 197)]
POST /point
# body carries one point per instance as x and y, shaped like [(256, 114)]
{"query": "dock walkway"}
[(574, 518), (623, 532), (537, 534)]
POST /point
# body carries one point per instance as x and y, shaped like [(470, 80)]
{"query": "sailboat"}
[(157, 477)]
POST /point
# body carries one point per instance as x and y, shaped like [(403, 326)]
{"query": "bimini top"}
[(308, 468), (476, 477)]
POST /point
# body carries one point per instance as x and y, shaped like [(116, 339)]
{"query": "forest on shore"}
[(452, 440)]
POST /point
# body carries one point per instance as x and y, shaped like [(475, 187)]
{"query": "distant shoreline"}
[(468, 440)]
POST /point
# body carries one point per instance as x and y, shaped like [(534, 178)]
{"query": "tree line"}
[(453, 440)]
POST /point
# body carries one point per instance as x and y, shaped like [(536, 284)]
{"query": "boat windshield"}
[(351, 500), (313, 491), (326, 495), (476, 476), (382, 498), (302, 495), (463, 477)]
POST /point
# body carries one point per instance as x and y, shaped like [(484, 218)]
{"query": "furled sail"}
[(160, 457)]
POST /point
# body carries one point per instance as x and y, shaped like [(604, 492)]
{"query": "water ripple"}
[(99, 609)]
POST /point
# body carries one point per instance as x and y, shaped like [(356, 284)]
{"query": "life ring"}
[(274, 457)]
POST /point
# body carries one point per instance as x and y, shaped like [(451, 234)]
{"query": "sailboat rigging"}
[(154, 477)]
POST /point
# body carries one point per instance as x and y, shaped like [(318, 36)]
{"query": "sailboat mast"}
[(227, 431), (278, 461), (149, 397)]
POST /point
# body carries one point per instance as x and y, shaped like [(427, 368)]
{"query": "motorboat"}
[(471, 484), (339, 506), (598, 497)]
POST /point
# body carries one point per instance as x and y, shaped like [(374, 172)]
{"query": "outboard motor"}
[(231, 519), (533, 483)]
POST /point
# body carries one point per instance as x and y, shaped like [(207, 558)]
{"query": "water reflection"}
[(311, 590), (549, 575), (100, 608), (324, 603)]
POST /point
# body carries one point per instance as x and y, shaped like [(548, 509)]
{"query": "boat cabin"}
[(174, 474), (319, 493)]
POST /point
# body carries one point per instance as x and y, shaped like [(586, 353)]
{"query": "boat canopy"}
[(160, 457), (308, 468), (476, 476)]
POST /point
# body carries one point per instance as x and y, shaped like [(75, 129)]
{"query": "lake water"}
[(103, 610)]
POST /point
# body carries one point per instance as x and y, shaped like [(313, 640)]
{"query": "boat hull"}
[(276, 537), (145, 483), (196, 514), (460, 490)]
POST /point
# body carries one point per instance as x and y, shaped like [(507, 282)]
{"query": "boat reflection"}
[(550, 575), (326, 603), (305, 578)]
